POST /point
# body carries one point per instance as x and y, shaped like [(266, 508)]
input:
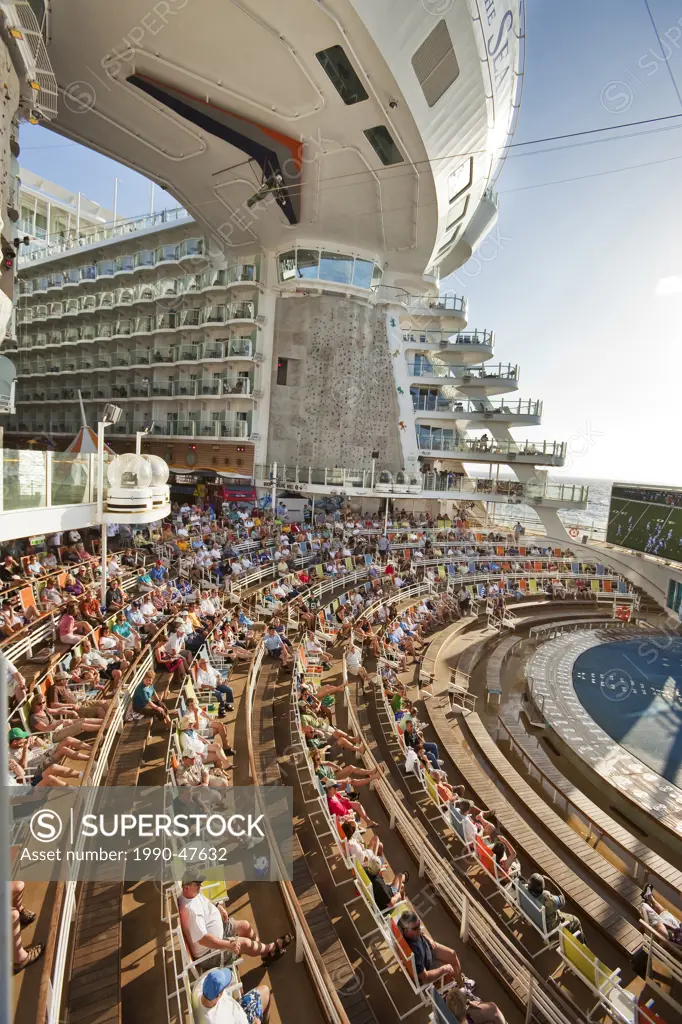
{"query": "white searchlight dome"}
[(130, 472), (138, 489)]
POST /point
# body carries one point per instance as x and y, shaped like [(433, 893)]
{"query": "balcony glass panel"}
[(287, 266), (167, 286), (242, 311), (145, 293), (88, 272), (88, 303), (213, 315), (308, 264), (189, 318), (189, 283), (54, 309), (124, 327), (40, 285), (71, 306), (191, 247), (70, 478), (245, 272), (72, 276), (55, 280), (144, 324), (25, 287), (166, 253), (362, 273), (124, 264), (144, 258), (105, 268), (72, 334), (214, 279), (165, 321), (125, 296), (336, 267), (24, 480), (240, 347), (104, 329)]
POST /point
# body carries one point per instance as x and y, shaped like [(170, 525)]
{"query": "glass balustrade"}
[(443, 339), (24, 479)]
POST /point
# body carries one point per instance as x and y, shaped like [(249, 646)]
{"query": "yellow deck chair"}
[(441, 571), (595, 586), (319, 571), (533, 586), (431, 789)]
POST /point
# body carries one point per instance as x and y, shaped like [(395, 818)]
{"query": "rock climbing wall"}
[(339, 402)]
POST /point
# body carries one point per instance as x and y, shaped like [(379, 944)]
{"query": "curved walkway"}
[(550, 674)]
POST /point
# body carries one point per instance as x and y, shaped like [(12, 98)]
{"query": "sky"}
[(582, 279)]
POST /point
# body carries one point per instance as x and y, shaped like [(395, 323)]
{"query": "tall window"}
[(282, 367)]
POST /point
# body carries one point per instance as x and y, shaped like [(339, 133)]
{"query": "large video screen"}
[(645, 518)]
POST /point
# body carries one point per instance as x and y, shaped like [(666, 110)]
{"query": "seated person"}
[(276, 648), (62, 699), (386, 895), (129, 636), (347, 773), (42, 720), (115, 598), (432, 961), (505, 857), (354, 664), (71, 630), (51, 596), (467, 1009), (201, 721), (191, 771), (90, 609), (553, 904), (146, 702), (660, 919), (357, 847), (104, 661), (210, 751), (212, 1003), (208, 926), (341, 807), (207, 675), (37, 755)]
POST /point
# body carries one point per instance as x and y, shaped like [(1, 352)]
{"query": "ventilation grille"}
[(435, 64)]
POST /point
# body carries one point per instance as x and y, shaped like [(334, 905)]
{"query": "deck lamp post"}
[(112, 414)]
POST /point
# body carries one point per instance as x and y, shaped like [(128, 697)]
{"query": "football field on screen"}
[(643, 526)]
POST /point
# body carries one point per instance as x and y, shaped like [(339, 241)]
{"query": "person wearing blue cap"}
[(213, 1002)]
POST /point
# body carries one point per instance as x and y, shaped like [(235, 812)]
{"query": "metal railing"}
[(182, 319), (444, 339), (184, 388), (464, 374), (382, 482), (424, 304), (488, 409), (150, 291), (466, 446), (306, 948), (237, 348), (105, 232)]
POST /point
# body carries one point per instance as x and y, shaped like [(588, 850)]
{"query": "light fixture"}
[(112, 414)]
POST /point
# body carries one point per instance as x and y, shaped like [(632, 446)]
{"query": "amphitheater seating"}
[(646, 865), (592, 906)]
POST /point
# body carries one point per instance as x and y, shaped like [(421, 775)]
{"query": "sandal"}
[(28, 916), (281, 943), (34, 952)]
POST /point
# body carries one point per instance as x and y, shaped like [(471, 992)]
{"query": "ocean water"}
[(593, 519)]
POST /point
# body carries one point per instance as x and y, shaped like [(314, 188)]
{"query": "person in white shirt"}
[(174, 645), (354, 664), (16, 684), (214, 1003), (208, 926), (210, 752)]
